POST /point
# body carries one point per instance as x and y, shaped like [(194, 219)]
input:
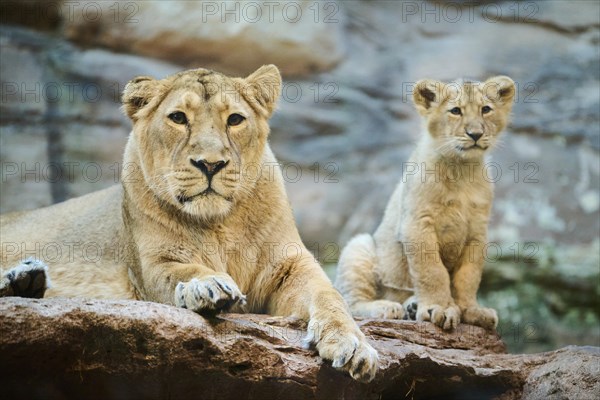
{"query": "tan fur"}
[(164, 239), (430, 242)]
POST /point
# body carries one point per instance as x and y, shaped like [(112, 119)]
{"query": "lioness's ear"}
[(500, 90), (264, 87), (138, 92), (427, 94)]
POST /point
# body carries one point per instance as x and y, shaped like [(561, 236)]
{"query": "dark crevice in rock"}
[(549, 25), (45, 16), (58, 187)]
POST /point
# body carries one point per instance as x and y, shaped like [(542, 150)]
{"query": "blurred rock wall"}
[(345, 124)]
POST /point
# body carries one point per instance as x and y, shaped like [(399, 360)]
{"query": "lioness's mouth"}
[(182, 198)]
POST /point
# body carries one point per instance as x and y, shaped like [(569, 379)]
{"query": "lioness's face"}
[(465, 119), (197, 131)]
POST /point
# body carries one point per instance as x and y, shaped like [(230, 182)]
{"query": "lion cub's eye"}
[(486, 109), (456, 111), (178, 117), (235, 119)]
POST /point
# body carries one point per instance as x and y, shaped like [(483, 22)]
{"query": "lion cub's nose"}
[(209, 168), (474, 135)]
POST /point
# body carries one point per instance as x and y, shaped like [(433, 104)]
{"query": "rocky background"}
[(345, 123)]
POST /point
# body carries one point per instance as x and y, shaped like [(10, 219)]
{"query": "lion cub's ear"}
[(264, 87), (427, 95), (500, 90), (138, 92)]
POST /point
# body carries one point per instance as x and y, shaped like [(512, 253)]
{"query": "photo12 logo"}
[(470, 171), (467, 12), (51, 92), (526, 92), (269, 11), (92, 172)]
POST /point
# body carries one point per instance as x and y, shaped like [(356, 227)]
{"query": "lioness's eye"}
[(178, 117), (486, 109), (235, 119), (456, 111)]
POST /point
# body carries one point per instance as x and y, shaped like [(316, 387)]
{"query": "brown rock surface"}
[(66, 348)]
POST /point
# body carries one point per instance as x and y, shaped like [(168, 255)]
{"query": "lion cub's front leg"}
[(430, 276), (465, 284), (308, 294)]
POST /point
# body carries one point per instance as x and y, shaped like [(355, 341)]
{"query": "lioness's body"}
[(80, 239), (96, 252), (201, 221), (431, 240)]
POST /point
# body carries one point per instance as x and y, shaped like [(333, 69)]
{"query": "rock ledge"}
[(77, 348)]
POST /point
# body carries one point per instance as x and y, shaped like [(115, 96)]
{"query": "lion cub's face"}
[(465, 119), (198, 131)]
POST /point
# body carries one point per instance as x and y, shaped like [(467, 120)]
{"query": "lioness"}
[(430, 242), (201, 220)]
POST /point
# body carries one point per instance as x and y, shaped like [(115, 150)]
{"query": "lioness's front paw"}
[(445, 317), (481, 316), (208, 295), (347, 349), (29, 279)]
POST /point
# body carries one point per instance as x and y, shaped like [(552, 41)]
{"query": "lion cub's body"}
[(201, 221), (431, 241)]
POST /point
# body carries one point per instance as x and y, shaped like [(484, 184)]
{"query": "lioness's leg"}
[(191, 286), (356, 281), (302, 289), (465, 283), (430, 276), (29, 279)]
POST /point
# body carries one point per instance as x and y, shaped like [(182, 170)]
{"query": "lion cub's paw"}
[(29, 279), (347, 349), (481, 316), (208, 295), (445, 317), (385, 309)]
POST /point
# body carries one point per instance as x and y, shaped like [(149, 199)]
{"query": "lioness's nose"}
[(475, 135), (209, 168)]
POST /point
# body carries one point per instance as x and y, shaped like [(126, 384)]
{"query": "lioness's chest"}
[(229, 251)]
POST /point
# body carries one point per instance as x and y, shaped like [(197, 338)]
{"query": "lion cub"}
[(431, 240)]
